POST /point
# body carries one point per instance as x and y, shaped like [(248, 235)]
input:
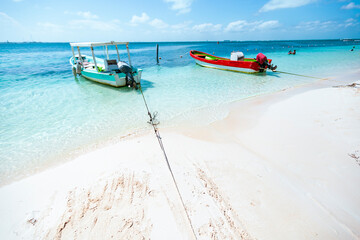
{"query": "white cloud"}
[(326, 26), (89, 21), (268, 25), (17, 0), (4, 18), (243, 25), (236, 26), (350, 22), (317, 26), (50, 27), (96, 25), (142, 19), (87, 15), (207, 27), (157, 23), (181, 6), (350, 6), (181, 26), (277, 4)]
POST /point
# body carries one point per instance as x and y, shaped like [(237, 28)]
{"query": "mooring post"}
[(157, 53)]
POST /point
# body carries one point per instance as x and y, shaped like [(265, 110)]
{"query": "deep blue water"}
[(47, 115)]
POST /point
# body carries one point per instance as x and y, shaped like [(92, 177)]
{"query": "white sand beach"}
[(281, 166)]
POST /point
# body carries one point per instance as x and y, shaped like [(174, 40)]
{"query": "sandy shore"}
[(282, 166)]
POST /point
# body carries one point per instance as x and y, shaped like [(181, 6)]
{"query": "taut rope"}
[(295, 74), (154, 124)]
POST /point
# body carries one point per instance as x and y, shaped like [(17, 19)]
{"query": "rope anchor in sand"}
[(153, 120)]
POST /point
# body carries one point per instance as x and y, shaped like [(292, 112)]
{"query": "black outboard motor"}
[(125, 68)]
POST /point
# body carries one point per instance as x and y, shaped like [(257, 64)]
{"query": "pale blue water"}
[(47, 115)]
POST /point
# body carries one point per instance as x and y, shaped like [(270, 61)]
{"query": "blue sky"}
[(177, 20)]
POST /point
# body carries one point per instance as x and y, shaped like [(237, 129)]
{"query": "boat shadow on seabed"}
[(270, 73)]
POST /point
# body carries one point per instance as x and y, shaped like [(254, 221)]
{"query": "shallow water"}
[(47, 114)]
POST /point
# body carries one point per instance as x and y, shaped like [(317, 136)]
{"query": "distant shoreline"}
[(212, 41)]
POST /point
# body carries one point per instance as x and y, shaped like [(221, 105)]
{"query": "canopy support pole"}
[(128, 52), (80, 57), (107, 52), (92, 52), (72, 49), (117, 51)]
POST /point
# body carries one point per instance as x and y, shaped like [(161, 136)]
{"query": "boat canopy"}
[(96, 44)]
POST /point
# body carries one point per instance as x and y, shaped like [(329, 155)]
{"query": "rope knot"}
[(153, 120)]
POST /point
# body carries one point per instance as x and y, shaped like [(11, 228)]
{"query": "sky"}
[(177, 20)]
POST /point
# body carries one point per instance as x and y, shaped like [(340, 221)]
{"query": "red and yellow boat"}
[(236, 62)]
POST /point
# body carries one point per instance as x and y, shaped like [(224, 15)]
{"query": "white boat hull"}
[(112, 80), (228, 68)]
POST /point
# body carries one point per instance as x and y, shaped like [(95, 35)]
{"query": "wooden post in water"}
[(157, 53)]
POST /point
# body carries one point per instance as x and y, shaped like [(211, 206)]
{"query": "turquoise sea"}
[(48, 116)]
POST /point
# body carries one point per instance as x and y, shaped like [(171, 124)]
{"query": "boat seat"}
[(111, 65), (210, 58), (89, 66), (86, 63)]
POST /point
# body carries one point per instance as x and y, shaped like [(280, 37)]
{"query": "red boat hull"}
[(249, 65)]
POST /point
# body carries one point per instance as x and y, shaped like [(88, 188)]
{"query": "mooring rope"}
[(300, 75), (154, 124)]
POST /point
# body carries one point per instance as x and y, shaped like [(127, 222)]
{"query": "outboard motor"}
[(125, 68), (78, 68)]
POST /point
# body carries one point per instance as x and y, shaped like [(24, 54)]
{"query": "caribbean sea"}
[(48, 116)]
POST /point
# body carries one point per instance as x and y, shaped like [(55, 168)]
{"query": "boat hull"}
[(248, 65), (227, 68), (115, 80)]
